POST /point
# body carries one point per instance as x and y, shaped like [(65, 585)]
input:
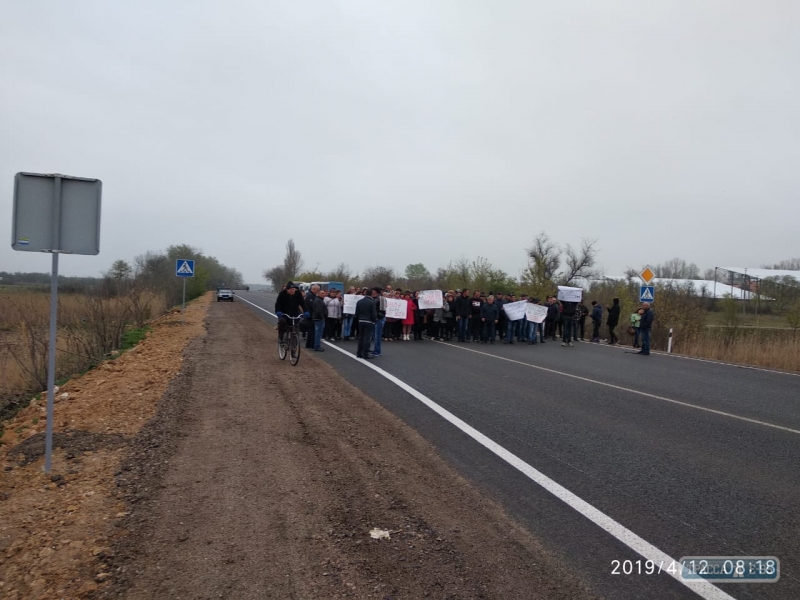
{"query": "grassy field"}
[(90, 326), (717, 319)]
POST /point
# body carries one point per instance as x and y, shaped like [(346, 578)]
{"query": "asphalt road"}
[(697, 458)]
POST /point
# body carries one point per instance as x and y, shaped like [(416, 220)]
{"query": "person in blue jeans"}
[(380, 321), (512, 329), (319, 312), (645, 326), (531, 333)]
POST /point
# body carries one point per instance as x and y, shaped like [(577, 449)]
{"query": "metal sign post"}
[(184, 268), (57, 214)]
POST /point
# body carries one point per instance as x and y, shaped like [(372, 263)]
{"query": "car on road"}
[(224, 294)]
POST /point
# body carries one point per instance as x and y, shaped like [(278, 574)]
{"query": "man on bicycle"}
[(290, 303)]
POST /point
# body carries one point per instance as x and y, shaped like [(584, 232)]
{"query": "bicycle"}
[(293, 343)]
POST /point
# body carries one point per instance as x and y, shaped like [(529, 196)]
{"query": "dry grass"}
[(761, 348), (89, 327)]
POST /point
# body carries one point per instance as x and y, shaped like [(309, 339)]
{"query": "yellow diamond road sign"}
[(647, 275)]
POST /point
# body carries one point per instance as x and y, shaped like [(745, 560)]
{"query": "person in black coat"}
[(366, 315), (490, 315), (613, 321), (597, 320), (311, 295)]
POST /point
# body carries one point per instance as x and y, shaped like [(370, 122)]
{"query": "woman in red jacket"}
[(408, 322)]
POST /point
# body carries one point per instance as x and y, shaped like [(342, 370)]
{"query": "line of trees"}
[(549, 265)]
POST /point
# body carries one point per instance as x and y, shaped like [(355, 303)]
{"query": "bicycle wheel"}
[(294, 349), (281, 348)]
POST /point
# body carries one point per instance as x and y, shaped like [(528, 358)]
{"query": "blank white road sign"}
[(56, 213)]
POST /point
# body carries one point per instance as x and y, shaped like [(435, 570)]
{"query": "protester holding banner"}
[(567, 321), (536, 314)]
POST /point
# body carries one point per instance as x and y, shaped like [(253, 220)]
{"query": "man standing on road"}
[(463, 311), (490, 315), (311, 295), (645, 326), (580, 314), (289, 303), (366, 315), (476, 325), (568, 318), (597, 320), (319, 314), (380, 305), (613, 321)]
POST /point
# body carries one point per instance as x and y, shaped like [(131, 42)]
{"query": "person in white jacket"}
[(333, 322)]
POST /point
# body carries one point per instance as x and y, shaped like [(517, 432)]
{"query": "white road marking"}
[(633, 391), (702, 588)]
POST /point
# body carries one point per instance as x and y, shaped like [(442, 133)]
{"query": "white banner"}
[(535, 312), (350, 301), (515, 310), (431, 299), (396, 309), (569, 294)]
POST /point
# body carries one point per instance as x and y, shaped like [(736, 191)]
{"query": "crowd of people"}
[(465, 316)]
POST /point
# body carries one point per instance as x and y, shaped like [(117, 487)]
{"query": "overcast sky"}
[(401, 132)]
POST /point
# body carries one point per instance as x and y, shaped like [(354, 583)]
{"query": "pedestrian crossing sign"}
[(184, 267), (647, 293)]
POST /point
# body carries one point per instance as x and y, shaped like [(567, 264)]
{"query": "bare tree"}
[(544, 262), (579, 263), (291, 267), (544, 258), (381, 276), (677, 268), (293, 261), (792, 264), (461, 271), (341, 273)]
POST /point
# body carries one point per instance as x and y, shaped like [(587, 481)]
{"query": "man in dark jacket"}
[(319, 312), (597, 320), (553, 314), (366, 315), (580, 325), (290, 303), (645, 326), (613, 321), (476, 325), (311, 295), (463, 311), (568, 319), (490, 315)]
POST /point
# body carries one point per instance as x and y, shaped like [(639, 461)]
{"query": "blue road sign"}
[(647, 293), (184, 268)]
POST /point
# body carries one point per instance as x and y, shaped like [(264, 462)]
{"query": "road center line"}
[(702, 588), (630, 390)]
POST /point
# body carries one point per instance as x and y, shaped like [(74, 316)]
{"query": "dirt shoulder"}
[(57, 530), (262, 480)]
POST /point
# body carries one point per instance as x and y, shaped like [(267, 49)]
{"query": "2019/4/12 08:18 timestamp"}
[(723, 569)]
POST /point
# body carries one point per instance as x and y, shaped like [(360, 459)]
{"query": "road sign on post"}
[(647, 293), (184, 268), (57, 214), (647, 275)]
